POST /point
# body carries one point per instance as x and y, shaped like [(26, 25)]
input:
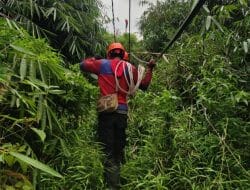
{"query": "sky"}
[(121, 12)]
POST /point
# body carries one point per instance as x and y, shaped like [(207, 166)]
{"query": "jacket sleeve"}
[(91, 65)]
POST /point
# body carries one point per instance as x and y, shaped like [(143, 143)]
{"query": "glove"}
[(98, 57), (151, 64)]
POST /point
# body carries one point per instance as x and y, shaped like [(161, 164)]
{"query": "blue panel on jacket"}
[(106, 67)]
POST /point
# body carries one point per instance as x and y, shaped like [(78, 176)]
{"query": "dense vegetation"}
[(191, 130)]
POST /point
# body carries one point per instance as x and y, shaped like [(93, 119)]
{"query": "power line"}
[(113, 19), (129, 41), (186, 22)]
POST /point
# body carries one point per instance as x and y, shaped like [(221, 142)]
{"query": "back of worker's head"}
[(115, 50)]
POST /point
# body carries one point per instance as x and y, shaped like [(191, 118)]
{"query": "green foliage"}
[(42, 105), (190, 130), (148, 140), (160, 22), (35, 163), (199, 138), (82, 166), (72, 27)]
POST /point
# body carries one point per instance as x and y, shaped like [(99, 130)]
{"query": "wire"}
[(113, 14), (129, 38), (138, 59), (186, 22)]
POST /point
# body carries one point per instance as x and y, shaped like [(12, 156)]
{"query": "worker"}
[(115, 77)]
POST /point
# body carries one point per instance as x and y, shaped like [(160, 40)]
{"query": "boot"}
[(112, 175)]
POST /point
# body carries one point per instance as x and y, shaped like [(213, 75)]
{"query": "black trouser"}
[(111, 134)]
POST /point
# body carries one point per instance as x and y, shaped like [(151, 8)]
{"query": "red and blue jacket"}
[(104, 69)]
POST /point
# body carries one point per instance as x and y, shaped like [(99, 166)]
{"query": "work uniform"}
[(112, 126)]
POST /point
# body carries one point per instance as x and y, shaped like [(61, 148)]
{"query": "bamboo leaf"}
[(10, 160), (1, 158), (40, 108), (54, 117), (41, 71), (17, 102), (33, 85), (35, 163), (49, 119), (194, 4), (13, 100), (31, 9), (23, 165), (44, 117), (37, 10), (22, 50), (56, 91), (243, 2), (12, 24), (32, 70), (206, 8), (23, 68), (40, 133), (208, 22), (217, 24), (9, 187), (64, 148), (245, 46)]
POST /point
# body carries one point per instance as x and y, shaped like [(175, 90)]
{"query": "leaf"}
[(26, 187), (243, 2), (41, 71), (35, 163), (17, 102), (94, 76), (194, 4), (208, 22), (12, 24), (23, 165), (53, 115), (217, 24), (206, 8), (245, 101), (40, 108), (44, 118), (245, 46), (22, 50), (56, 91), (1, 158), (49, 119), (23, 68), (10, 160), (10, 188), (64, 148), (32, 70), (13, 100), (40, 133)]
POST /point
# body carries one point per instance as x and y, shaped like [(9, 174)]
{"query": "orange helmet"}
[(125, 56), (114, 46)]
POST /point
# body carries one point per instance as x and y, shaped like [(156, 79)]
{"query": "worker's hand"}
[(151, 64), (98, 57)]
